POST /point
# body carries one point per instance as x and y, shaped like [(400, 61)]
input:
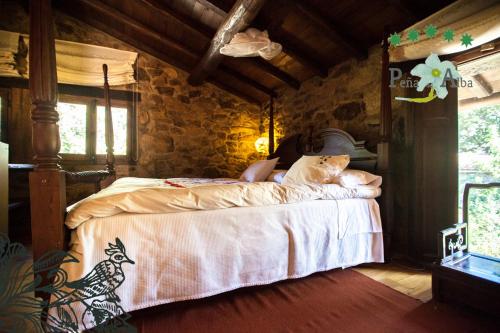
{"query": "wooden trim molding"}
[(74, 90)]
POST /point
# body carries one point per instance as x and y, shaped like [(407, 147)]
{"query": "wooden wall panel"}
[(435, 174)]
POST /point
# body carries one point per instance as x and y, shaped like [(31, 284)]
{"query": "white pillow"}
[(316, 169), (354, 178), (276, 176), (259, 171)]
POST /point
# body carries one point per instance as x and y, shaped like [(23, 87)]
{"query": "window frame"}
[(90, 156)]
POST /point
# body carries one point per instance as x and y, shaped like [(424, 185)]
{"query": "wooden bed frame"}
[(48, 181)]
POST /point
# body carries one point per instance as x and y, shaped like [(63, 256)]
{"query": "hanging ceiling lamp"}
[(251, 43)]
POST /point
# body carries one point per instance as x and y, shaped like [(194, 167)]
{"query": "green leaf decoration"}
[(466, 40), (448, 35), (430, 30), (413, 35), (395, 39)]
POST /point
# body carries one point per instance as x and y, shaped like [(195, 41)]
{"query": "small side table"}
[(473, 281)]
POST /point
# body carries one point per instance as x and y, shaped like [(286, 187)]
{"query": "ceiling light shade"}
[(251, 43)]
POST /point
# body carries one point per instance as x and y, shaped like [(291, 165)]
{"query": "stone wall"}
[(182, 130), (349, 99)]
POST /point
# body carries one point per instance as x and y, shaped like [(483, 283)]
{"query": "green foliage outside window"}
[(479, 162), (72, 127), (119, 116)]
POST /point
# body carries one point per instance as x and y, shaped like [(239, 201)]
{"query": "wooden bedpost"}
[(47, 181), (108, 120), (384, 149), (271, 124)]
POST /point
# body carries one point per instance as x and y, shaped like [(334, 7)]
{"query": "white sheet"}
[(156, 196), (194, 254)]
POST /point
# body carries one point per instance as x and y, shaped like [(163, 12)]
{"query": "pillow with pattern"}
[(316, 169)]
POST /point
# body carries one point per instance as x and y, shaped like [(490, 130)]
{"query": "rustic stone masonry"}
[(349, 99), (187, 131)]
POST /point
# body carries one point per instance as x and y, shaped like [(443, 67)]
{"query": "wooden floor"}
[(411, 281)]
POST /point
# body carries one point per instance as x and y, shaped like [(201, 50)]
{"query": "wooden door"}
[(435, 173)]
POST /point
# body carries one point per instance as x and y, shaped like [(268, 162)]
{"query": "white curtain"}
[(81, 64), (480, 19), (77, 63), (9, 42)]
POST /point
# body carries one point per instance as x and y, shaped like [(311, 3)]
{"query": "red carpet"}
[(335, 301)]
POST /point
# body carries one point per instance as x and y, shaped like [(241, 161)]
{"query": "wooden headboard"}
[(334, 142)]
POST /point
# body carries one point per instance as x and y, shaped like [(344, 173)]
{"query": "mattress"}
[(194, 254)]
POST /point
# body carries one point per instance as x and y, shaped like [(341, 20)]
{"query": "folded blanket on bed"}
[(152, 196)]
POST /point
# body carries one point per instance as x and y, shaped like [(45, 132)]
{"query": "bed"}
[(192, 238)]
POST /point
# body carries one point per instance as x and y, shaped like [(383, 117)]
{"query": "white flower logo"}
[(434, 73)]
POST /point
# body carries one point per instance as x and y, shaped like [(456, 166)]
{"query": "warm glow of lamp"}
[(262, 144)]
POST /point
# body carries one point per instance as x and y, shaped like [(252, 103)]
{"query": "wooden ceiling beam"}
[(277, 73), (248, 81), (238, 18), (209, 32), (334, 32), (161, 43), (292, 46)]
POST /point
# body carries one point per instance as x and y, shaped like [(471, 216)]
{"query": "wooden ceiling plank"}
[(126, 20), (277, 73), (182, 18), (403, 7), (293, 47), (248, 81), (238, 18), (209, 32), (334, 32), (161, 40)]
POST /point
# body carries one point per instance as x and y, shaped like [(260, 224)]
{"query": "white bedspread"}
[(194, 254), (153, 196)]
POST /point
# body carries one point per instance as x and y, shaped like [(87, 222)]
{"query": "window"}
[(72, 127), (479, 156), (82, 129)]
